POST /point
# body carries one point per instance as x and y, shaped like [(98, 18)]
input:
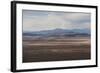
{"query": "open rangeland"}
[(57, 49)]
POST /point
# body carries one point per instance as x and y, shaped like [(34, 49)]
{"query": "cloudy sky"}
[(48, 20)]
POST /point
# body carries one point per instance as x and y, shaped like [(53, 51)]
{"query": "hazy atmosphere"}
[(56, 36), (46, 20)]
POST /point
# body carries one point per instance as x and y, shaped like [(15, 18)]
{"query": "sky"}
[(35, 20)]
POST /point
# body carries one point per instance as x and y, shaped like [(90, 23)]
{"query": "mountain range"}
[(59, 32)]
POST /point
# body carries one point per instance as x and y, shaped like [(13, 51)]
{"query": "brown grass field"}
[(59, 49)]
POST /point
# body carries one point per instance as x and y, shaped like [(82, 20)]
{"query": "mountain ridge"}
[(59, 32)]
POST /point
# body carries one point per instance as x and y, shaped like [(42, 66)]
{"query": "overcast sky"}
[(47, 20)]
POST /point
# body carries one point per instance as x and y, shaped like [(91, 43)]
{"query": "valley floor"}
[(59, 49)]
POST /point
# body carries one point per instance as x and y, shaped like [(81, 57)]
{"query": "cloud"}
[(44, 20)]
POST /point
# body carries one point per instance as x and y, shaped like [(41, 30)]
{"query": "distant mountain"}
[(59, 32)]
